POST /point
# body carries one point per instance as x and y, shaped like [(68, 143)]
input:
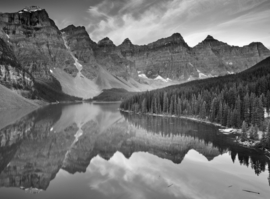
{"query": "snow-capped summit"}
[(30, 9)]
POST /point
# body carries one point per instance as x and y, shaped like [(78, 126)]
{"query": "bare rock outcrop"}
[(36, 41)]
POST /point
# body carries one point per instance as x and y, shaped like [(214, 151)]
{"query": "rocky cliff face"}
[(167, 57), (92, 55), (220, 58), (170, 57), (82, 48), (173, 58), (12, 75), (36, 41), (31, 40)]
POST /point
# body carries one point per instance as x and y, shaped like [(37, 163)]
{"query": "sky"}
[(236, 22)]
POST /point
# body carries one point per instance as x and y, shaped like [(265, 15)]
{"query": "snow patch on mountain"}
[(162, 79), (202, 75), (229, 63), (80, 86), (266, 114), (190, 78), (143, 76), (30, 9)]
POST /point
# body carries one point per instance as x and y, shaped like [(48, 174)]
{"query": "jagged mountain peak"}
[(127, 41), (126, 44), (106, 42), (256, 44), (210, 41), (210, 38), (177, 35), (32, 16), (106, 39), (69, 27), (30, 9), (72, 27), (174, 39)]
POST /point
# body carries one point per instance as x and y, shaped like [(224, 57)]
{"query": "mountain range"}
[(39, 60)]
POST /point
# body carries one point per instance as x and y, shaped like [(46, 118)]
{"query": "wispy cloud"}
[(146, 176), (63, 23), (144, 21)]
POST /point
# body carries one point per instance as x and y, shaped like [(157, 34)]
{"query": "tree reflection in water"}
[(36, 147)]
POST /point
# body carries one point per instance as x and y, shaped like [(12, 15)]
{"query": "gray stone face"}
[(168, 57), (32, 41), (36, 41)]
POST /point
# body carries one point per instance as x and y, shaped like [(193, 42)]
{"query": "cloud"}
[(143, 176), (62, 23), (144, 21), (147, 176)]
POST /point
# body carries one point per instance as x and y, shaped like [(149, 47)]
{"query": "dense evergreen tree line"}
[(229, 100)]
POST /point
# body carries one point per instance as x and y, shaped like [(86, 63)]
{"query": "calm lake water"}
[(94, 151)]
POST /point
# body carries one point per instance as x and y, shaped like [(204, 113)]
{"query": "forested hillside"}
[(227, 100)]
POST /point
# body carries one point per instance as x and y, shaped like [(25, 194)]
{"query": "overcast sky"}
[(237, 22)]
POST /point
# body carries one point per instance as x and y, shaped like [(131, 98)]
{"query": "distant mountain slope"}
[(11, 100), (169, 57), (31, 40), (12, 75), (36, 41), (227, 100), (107, 81), (172, 58), (15, 77)]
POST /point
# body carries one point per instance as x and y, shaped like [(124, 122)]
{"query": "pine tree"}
[(243, 136), (220, 112), (165, 103), (179, 107), (229, 118), (244, 127), (247, 108), (255, 133), (213, 110), (144, 110), (244, 132), (268, 101), (171, 106), (203, 111), (268, 135), (238, 112), (260, 113), (225, 114), (251, 131), (264, 140)]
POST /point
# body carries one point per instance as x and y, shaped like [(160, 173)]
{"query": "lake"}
[(94, 151)]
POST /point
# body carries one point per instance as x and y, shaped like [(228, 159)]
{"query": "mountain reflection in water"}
[(112, 154)]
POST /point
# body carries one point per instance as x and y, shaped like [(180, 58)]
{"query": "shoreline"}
[(106, 102), (246, 144), (181, 117)]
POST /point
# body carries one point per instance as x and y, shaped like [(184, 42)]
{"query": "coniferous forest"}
[(238, 100)]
